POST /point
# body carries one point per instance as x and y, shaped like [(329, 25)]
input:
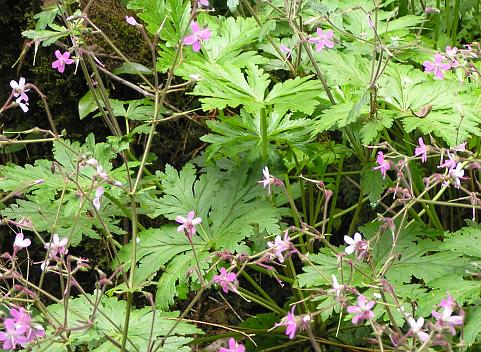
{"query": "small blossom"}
[(383, 165), (269, 180), (130, 20), (362, 311), (20, 242), (203, 3), (356, 244), (457, 174), (233, 347), (417, 328), (62, 60), (445, 319), (431, 10), (96, 201), (286, 50), (422, 150), (19, 89), (323, 39), (227, 280), (13, 335), (437, 67), (451, 52), (21, 104), (293, 323), (19, 329), (198, 35), (279, 246), (57, 246), (22, 318), (336, 287), (188, 225), (449, 164)]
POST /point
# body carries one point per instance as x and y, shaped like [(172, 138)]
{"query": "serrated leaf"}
[(372, 184), (472, 326), (108, 321), (235, 135)]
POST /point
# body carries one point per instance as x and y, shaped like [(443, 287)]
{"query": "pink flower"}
[(292, 323), (96, 201), (422, 150), (197, 36), (130, 20), (356, 244), (57, 246), (19, 329), (203, 3), (279, 246), (62, 60), (417, 328), (23, 318), (437, 67), (323, 39), (227, 280), (19, 89), (233, 347), (383, 165), (188, 225), (13, 335), (20, 242), (451, 52), (362, 311), (449, 164), (445, 319)]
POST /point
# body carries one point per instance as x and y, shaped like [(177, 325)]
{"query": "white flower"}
[(19, 89), (457, 174), (96, 201), (20, 242), (352, 242), (417, 328)]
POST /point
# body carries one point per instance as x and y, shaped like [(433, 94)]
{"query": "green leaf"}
[(466, 241), (372, 184), (298, 94), (232, 208), (472, 326), (86, 105), (109, 319), (131, 68), (235, 135)]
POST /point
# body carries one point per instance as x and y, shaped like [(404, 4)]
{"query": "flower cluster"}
[(19, 329)]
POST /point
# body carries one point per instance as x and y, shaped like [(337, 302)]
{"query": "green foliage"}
[(107, 322), (232, 208), (238, 135), (51, 200)]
